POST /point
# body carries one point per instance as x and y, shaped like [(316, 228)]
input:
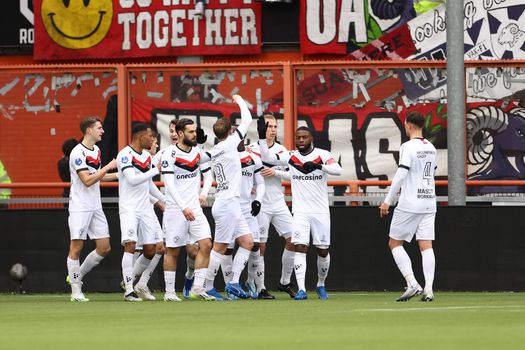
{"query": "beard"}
[(189, 143)]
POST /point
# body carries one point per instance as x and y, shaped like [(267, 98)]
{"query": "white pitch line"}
[(444, 308)]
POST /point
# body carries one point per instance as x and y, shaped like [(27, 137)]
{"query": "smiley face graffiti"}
[(77, 24)]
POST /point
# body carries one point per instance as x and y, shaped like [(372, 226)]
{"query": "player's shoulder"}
[(278, 148), (77, 150)]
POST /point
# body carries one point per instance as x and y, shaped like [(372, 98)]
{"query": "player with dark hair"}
[(416, 212), (229, 222), (137, 217), (184, 220), (86, 218), (311, 214)]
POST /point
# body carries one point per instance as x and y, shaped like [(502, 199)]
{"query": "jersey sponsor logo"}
[(185, 164), (186, 176), (78, 161), (297, 164), (247, 173), (124, 160), (142, 166), (307, 177), (93, 162)]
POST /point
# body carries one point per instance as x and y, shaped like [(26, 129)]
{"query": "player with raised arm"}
[(86, 218), (184, 220), (251, 166), (229, 221), (308, 167), (275, 211), (137, 217), (416, 211)]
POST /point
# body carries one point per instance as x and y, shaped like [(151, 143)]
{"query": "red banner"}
[(79, 29)]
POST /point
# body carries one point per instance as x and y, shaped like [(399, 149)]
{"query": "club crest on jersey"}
[(78, 161), (124, 160)]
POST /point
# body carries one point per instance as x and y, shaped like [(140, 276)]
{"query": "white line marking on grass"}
[(444, 308)]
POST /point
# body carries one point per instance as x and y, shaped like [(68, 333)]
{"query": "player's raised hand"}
[(201, 136), (188, 214), (256, 207), (383, 209), (262, 125), (237, 98)]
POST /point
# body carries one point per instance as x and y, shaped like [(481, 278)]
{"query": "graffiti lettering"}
[(488, 4), (428, 29), (469, 12)]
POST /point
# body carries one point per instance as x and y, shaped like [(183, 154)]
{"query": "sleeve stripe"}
[(168, 172), (268, 165), (208, 154), (257, 170), (205, 170), (278, 158), (404, 167), (82, 169), (240, 135), (126, 167)]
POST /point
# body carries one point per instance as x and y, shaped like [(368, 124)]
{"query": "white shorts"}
[(160, 236), (229, 221), (404, 225), (252, 223), (179, 231), (92, 224), (139, 227), (279, 216), (316, 224)]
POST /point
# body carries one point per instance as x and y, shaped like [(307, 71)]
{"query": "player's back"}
[(84, 198), (418, 195), (133, 197), (227, 169)]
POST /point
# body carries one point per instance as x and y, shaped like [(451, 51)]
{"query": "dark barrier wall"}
[(477, 248)]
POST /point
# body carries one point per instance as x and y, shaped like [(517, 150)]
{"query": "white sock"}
[(127, 271), (239, 262), (200, 277), (226, 268), (213, 267), (259, 275), (169, 281), (140, 265), (323, 265), (190, 267), (92, 260), (136, 256), (146, 275), (404, 265), (253, 265), (300, 269), (287, 266), (73, 270), (429, 266)]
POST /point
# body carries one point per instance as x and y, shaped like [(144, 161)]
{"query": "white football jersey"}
[(418, 193), (186, 168), (274, 192), (133, 197), (251, 164), (83, 198), (309, 189), (227, 167)]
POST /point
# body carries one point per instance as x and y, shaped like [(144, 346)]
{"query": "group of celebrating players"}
[(248, 198)]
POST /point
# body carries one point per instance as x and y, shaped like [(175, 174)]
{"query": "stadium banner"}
[(144, 28), (16, 26)]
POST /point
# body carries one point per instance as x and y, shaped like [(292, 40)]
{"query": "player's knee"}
[(262, 248), (323, 252), (160, 249), (228, 251), (205, 246), (149, 252), (392, 243), (301, 248), (104, 251)]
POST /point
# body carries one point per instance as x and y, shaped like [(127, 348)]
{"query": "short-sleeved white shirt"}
[(83, 198)]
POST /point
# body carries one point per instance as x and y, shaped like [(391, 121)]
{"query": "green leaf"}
[(428, 120), (443, 116), (439, 109), (436, 128)]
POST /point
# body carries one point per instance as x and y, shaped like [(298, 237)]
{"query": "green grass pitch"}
[(345, 321)]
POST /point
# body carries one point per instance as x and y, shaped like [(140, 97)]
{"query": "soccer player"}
[(137, 217), (416, 211), (141, 288), (251, 166), (86, 218), (184, 219), (229, 221), (308, 167), (274, 210)]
